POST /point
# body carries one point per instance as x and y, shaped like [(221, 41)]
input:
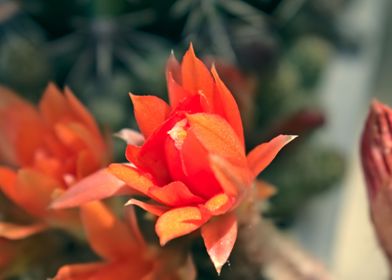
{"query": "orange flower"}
[(53, 146), (192, 164), (125, 253)]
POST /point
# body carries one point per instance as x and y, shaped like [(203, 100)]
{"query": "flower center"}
[(178, 133)]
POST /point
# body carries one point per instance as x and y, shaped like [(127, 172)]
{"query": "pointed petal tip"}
[(172, 62), (132, 95), (377, 107), (213, 68), (67, 91), (375, 102), (191, 51), (291, 137), (262, 155), (191, 47), (129, 203), (219, 238), (50, 84), (163, 241), (219, 269), (130, 136)]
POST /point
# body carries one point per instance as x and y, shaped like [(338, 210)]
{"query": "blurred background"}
[(306, 67)]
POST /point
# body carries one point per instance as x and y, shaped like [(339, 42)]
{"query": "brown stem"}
[(262, 244)]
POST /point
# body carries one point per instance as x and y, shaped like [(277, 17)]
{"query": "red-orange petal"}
[(16, 232), (177, 93), (233, 178), (132, 154), (86, 164), (174, 194), (79, 271), (99, 185), (226, 106), (173, 79), (19, 121), (195, 75), (77, 137), (132, 177), (178, 222), (262, 155), (53, 106), (32, 190), (119, 270), (108, 236), (8, 179), (151, 157), (194, 104), (151, 208), (219, 236), (81, 112), (196, 165), (219, 204), (264, 190), (131, 221), (217, 136), (150, 112), (174, 67)]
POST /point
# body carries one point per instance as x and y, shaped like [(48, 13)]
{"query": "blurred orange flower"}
[(192, 164), (125, 253), (51, 147)]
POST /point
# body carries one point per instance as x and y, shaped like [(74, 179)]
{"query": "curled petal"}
[(219, 204), (261, 156), (17, 232), (178, 222), (151, 208), (130, 136), (216, 135), (150, 112), (99, 185), (132, 177), (219, 236), (174, 194)]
